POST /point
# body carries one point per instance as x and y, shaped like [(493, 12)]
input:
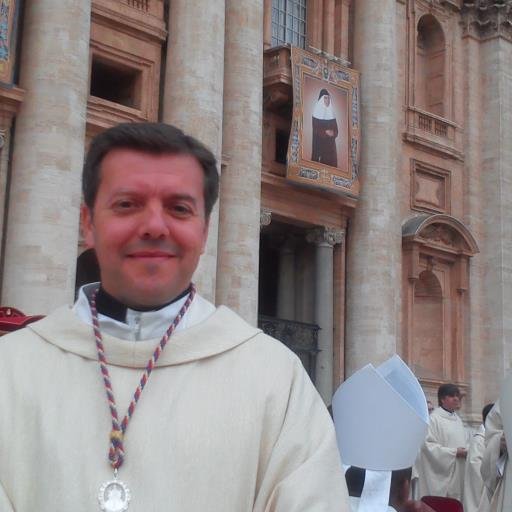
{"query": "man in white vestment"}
[(495, 469), (475, 498), (219, 418), (440, 464)]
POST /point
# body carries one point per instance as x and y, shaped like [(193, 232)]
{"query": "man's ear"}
[(87, 225)]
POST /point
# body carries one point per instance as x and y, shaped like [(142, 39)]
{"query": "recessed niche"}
[(115, 82)]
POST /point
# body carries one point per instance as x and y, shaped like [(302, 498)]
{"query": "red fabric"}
[(12, 319), (440, 504)]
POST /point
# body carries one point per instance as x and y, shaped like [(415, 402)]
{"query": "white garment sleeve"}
[(304, 470), (491, 456), (5, 504)]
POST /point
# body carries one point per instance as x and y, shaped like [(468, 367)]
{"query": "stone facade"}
[(419, 262)]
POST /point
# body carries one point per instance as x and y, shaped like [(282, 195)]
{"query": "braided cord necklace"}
[(114, 495)]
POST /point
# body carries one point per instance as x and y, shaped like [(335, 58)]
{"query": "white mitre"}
[(381, 420)]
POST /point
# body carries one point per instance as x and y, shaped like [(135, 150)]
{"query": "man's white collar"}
[(143, 325)]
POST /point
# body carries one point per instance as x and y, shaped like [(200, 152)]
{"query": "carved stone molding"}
[(323, 235), (265, 217), (487, 18), (441, 235), (440, 7), (3, 133)]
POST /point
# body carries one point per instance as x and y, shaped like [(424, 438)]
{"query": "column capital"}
[(3, 133), (487, 18), (325, 235), (265, 217)]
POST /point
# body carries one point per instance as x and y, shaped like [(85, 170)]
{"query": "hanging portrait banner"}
[(8, 22), (323, 150)]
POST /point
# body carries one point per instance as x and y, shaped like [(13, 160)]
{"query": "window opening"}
[(281, 146), (289, 22), (115, 82)]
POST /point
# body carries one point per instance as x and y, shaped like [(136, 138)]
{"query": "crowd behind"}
[(467, 471)]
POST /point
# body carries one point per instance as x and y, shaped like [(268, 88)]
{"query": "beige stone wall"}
[(42, 229)]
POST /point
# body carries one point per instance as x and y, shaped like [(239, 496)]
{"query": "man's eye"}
[(125, 204), (180, 209)]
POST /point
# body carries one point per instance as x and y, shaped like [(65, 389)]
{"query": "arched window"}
[(430, 66)]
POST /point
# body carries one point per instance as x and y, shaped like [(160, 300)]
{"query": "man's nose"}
[(154, 225)]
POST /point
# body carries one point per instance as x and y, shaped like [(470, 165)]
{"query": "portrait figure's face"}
[(327, 100), (148, 225)]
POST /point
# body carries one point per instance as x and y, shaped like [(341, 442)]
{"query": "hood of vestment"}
[(220, 332), (443, 413)]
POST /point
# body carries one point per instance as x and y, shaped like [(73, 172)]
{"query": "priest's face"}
[(451, 403), (148, 225)]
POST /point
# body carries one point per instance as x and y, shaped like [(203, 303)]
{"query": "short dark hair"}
[(485, 411), (156, 138), (447, 390)]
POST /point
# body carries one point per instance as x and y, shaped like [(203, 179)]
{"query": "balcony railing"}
[(142, 5), (433, 131), (300, 337), (431, 124)]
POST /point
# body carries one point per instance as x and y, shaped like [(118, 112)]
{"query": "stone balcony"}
[(277, 78), (433, 133), (300, 337), (145, 17), (103, 114)]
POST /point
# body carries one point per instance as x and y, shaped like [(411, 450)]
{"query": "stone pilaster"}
[(489, 185), (239, 225), (44, 197), (4, 169), (485, 19), (325, 239), (193, 89), (374, 243)]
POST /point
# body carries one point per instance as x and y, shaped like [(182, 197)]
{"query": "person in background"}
[(441, 462), (474, 495), (495, 469)]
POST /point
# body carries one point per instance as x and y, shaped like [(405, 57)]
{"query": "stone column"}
[(314, 23), (192, 96), (328, 26), (488, 44), (374, 242), (44, 197), (237, 268), (324, 240), (286, 280), (267, 24)]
